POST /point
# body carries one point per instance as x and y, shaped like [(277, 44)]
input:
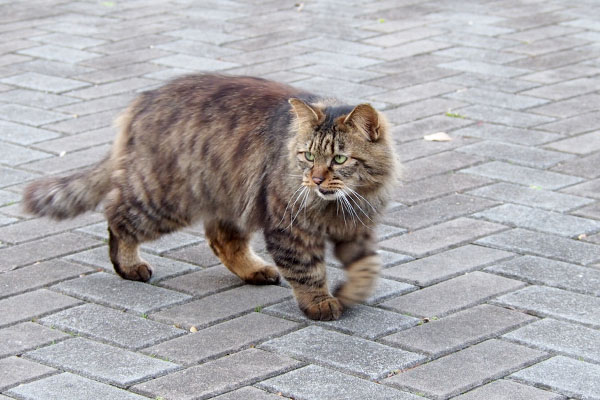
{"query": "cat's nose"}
[(317, 179)]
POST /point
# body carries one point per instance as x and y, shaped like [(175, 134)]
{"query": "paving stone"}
[(484, 68), (14, 155), (587, 189), (164, 268), (591, 211), (582, 144), (470, 53), (540, 220), (457, 331), (399, 77), (453, 295), (531, 196), (544, 245), (440, 237), (552, 60), (584, 166), (67, 386), (417, 129), (559, 337), (221, 306), (437, 164), (111, 290), (415, 149), (449, 264), (58, 53), (317, 383), (564, 375), (38, 275), (437, 186), (202, 283), (102, 362), (359, 320), (563, 90), (23, 134), (361, 357), (222, 339), (34, 98), (556, 303), (71, 161), (504, 116), (29, 115), (18, 370), (508, 390), (488, 82), (80, 124), (570, 107), (575, 125), (466, 369), (218, 376), (163, 244), (496, 99), (413, 93), (531, 157), (199, 254), (542, 271), (436, 211), (421, 109), (44, 83), (30, 305), (194, 63), (39, 227), (17, 339), (248, 393), (523, 175), (43, 249), (112, 326), (112, 88)]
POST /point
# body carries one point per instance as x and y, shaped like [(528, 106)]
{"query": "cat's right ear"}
[(307, 115)]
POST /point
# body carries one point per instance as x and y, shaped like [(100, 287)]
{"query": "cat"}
[(242, 154)]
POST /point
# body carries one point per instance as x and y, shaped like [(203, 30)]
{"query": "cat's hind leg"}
[(232, 247), (124, 255)]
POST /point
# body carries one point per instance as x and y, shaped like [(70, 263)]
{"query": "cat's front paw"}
[(325, 310)]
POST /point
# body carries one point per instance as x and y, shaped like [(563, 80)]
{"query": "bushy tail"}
[(69, 196)]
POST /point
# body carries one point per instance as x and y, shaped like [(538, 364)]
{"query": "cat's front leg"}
[(300, 259), (362, 266)]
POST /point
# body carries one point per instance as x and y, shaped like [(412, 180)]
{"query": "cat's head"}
[(341, 149)]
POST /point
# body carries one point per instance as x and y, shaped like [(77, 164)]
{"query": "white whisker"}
[(361, 197), (289, 201)]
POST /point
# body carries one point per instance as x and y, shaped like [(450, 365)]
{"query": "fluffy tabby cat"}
[(242, 154)]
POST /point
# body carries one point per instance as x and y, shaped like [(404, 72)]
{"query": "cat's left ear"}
[(306, 113), (366, 119)]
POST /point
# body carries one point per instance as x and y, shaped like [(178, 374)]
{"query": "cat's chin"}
[(329, 195)]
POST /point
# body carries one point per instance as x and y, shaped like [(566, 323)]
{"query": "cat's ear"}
[(366, 119), (306, 114)]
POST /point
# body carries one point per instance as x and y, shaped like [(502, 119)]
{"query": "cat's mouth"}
[(326, 194)]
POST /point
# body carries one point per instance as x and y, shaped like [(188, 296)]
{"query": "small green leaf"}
[(108, 3), (258, 309), (536, 187), (454, 115), (381, 20)]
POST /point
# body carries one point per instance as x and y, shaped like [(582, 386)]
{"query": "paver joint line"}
[(490, 283)]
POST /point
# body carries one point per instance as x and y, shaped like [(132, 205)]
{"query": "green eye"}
[(339, 159), (309, 156)]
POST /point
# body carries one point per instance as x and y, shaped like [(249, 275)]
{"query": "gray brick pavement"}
[(491, 244)]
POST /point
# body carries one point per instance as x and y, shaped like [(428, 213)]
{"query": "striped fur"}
[(242, 154)]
